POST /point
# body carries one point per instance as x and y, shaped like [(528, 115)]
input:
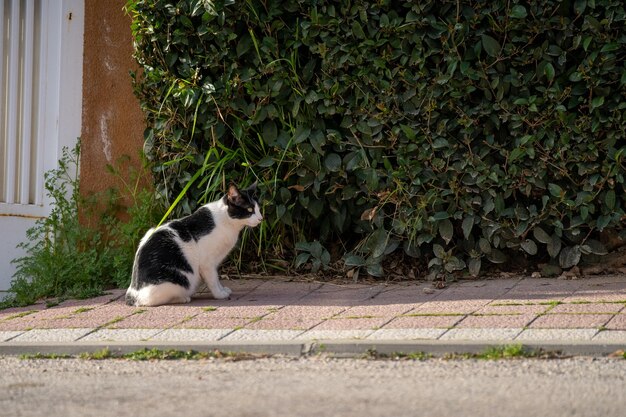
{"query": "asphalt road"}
[(313, 387)]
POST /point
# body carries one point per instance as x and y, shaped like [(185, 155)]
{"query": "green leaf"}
[(301, 259), (301, 134), (597, 102), (354, 260), (454, 264), (468, 224), (541, 235), (529, 246), (375, 270), (609, 199), (438, 251), (446, 230), (265, 162), (357, 30), (569, 257), (332, 162), (549, 72), (474, 266), (595, 247), (554, 246), (492, 47), (555, 190), (484, 246), (518, 12), (497, 257)]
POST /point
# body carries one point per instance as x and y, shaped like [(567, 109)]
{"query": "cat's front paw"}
[(221, 293)]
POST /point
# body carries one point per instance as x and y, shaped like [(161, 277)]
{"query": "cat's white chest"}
[(214, 247)]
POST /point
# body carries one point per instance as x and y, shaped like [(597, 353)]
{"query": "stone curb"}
[(333, 348)]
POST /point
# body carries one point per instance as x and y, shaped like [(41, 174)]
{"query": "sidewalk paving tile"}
[(570, 321), (261, 335), (611, 336), (7, 335), (279, 292), (406, 295), (208, 321), (450, 306), (120, 335), (191, 335), (427, 321), (496, 321), (407, 334), (481, 334), (618, 322), (52, 335), (597, 292), (556, 334), (597, 308), (157, 317), (369, 323), (337, 295), (495, 308), (376, 310), (316, 334)]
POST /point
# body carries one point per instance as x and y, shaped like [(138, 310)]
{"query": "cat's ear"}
[(233, 194), (252, 189)]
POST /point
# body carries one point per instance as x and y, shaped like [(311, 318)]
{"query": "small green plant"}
[(314, 253), (69, 258)]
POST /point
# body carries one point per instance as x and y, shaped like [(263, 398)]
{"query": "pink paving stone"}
[(207, 321), (610, 292), (239, 287), (278, 293), (376, 310), (450, 306), (406, 294), (496, 322), (618, 322), (513, 309), (421, 322), (588, 308), (243, 311), (353, 324), (571, 321), (157, 317), (283, 323), (336, 295)]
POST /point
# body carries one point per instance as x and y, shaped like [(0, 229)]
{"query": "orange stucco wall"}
[(112, 121)]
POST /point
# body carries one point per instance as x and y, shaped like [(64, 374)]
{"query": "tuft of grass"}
[(34, 356), (82, 310), (22, 314), (209, 308)]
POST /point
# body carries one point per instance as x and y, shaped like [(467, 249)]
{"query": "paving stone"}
[(7, 335), (316, 334), (157, 317), (496, 321), (513, 309), (283, 323), (556, 334), (337, 295), (611, 336), (406, 294), (52, 335), (618, 322), (261, 335), (280, 292), (449, 307), (481, 334), (120, 335), (191, 335), (207, 321), (406, 334), (570, 321), (598, 308), (376, 310), (417, 322), (353, 323)]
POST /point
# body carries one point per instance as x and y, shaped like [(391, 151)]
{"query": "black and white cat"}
[(173, 258)]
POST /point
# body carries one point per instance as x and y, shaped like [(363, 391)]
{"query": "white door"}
[(41, 53)]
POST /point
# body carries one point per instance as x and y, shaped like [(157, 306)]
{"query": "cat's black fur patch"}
[(194, 226), (161, 260), (241, 206)]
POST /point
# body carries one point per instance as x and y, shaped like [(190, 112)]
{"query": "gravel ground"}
[(314, 386)]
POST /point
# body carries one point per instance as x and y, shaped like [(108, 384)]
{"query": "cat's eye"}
[(250, 210)]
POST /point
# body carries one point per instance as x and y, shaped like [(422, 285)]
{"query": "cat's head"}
[(243, 205)]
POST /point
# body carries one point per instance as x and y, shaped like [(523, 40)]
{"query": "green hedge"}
[(458, 133)]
